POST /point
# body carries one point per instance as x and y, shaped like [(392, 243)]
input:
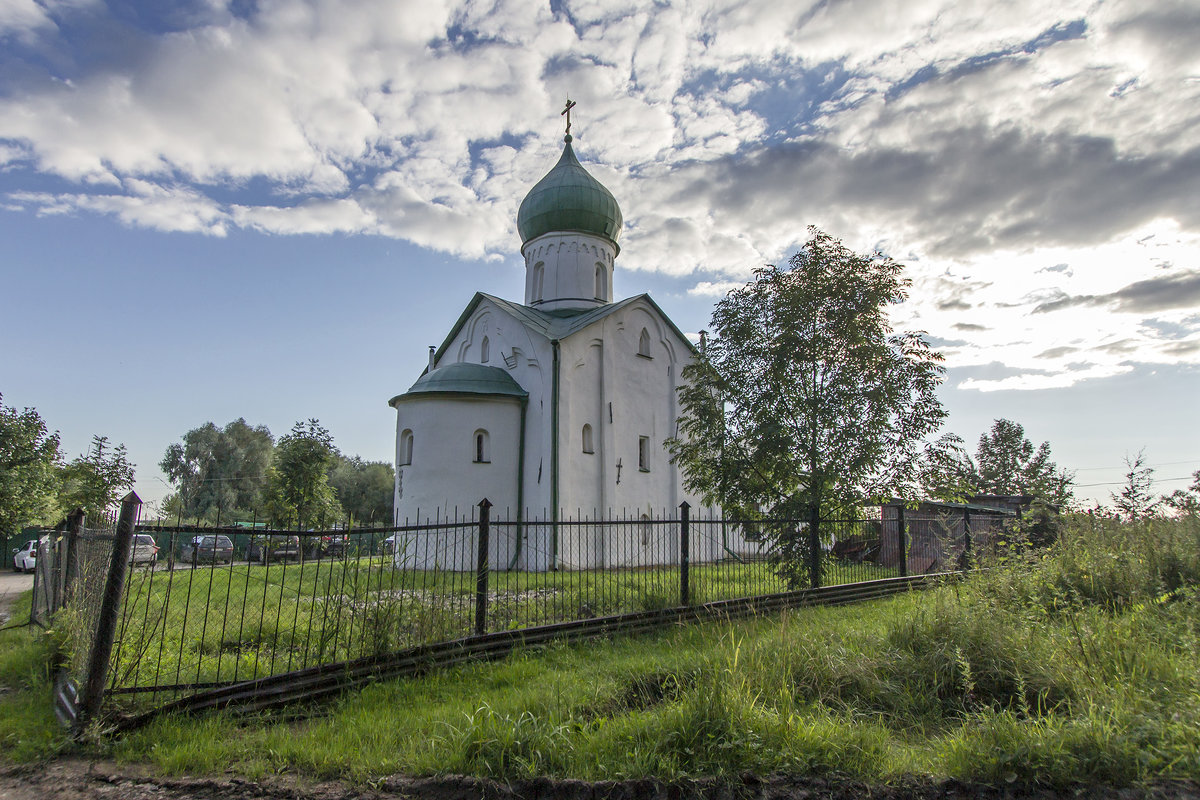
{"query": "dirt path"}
[(12, 584), (77, 779)]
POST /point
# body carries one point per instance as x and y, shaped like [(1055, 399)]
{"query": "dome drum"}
[(569, 224)]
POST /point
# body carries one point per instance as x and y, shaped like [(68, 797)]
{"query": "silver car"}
[(144, 550)]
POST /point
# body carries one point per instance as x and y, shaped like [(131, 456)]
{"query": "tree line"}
[(240, 472), (38, 485)]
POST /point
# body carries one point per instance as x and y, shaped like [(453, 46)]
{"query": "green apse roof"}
[(465, 378), (569, 199)]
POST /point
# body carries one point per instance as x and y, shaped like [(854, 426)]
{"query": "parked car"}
[(25, 557), (208, 547), (331, 546), (388, 547), (144, 550), (273, 547)]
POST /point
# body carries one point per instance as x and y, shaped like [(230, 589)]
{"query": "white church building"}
[(553, 408)]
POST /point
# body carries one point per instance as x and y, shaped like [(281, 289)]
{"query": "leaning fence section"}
[(160, 614)]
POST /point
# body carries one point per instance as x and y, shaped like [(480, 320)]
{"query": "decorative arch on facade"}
[(657, 333), (475, 343)]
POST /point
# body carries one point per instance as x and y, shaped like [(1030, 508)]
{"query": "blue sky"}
[(268, 209)]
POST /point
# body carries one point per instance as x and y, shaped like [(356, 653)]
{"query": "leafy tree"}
[(1008, 464), (29, 465), (1039, 525), (219, 471), (364, 488), (96, 480), (1136, 500), (946, 471), (804, 399), (1185, 501), (298, 490)]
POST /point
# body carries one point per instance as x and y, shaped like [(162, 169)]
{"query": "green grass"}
[(226, 623), (28, 728), (1076, 664)]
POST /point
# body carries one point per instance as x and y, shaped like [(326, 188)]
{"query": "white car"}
[(25, 557), (144, 549)]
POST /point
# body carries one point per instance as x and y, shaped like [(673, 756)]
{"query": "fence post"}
[(106, 625), (902, 533), (685, 595), (58, 544), (481, 567), (70, 567), (966, 561), (814, 547)]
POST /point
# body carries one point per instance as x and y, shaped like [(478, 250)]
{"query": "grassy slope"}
[(28, 729), (1079, 665)]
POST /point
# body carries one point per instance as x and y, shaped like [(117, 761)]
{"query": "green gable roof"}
[(568, 199)]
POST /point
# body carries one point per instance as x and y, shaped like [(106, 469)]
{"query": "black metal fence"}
[(187, 616)]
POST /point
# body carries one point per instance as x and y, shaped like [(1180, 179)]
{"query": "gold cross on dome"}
[(567, 111)]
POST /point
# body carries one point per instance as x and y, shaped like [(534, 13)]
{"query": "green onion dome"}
[(569, 200)]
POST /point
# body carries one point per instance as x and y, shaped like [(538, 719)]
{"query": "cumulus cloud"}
[(1036, 163)]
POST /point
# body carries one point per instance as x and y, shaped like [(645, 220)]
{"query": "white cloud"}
[(995, 143), (20, 18)]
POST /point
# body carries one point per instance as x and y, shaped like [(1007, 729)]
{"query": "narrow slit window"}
[(406, 448), (482, 454), (644, 453), (539, 274), (601, 293), (645, 529), (485, 351), (644, 344), (587, 439)]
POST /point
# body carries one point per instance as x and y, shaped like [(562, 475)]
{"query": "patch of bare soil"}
[(76, 779)]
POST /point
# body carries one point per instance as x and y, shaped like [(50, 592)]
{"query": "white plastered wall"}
[(431, 487), (623, 396)]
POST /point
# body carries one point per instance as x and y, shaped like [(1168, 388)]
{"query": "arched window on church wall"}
[(539, 275), (644, 343), (406, 447), (484, 351), (601, 281), (483, 453), (587, 439), (644, 527)]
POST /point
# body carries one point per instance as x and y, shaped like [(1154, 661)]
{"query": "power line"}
[(1151, 466), (1121, 483)]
